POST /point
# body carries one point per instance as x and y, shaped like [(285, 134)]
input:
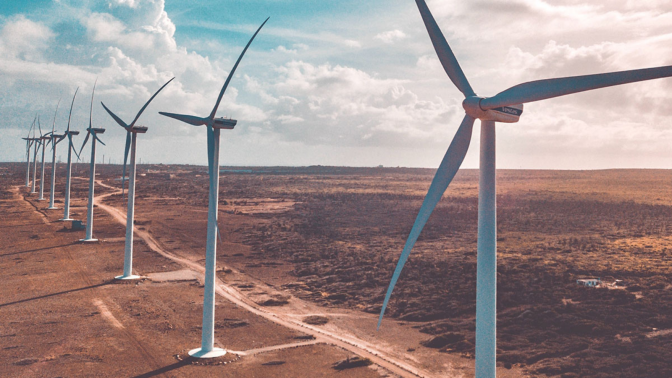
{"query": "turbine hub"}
[(505, 114)]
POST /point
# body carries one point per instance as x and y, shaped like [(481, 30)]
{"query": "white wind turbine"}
[(214, 125), (54, 140), (92, 179), (131, 133), (29, 143), (506, 106), (68, 175), (37, 142), (43, 143)]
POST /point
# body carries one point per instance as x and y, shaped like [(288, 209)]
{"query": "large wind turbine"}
[(92, 179), (29, 143), (131, 133), (214, 125), (54, 139), (506, 106), (68, 176)]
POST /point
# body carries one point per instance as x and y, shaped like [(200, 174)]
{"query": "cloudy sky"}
[(345, 82)]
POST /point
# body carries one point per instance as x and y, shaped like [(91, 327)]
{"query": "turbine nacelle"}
[(506, 114), (224, 123), (138, 129)]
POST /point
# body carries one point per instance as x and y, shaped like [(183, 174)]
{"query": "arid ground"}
[(304, 261)]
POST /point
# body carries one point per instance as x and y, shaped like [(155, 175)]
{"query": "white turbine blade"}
[(549, 88), (84, 144), (114, 116), (446, 56), (211, 149), (72, 146), (98, 139), (192, 120), (126, 149), (53, 126), (91, 109), (147, 103), (444, 175), (228, 79), (71, 104), (31, 126)]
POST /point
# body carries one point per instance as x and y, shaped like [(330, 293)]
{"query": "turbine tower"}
[(131, 133), (29, 143), (68, 176), (506, 106), (43, 143), (92, 179), (54, 139), (37, 142), (214, 125)]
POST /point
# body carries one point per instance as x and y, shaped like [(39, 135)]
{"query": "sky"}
[(348, 83)]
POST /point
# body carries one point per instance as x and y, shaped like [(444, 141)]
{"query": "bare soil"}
[(323, 242)]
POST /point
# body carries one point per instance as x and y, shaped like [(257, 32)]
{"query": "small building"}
[(590, 282)]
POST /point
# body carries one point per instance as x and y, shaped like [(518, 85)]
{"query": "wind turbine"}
[(29, 143), (214, 125), (92, 179), (506, 106), (37, 142), (43, 142), (71, 148), (131, 133), (54, 141)]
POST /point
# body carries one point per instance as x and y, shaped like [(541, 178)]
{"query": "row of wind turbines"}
[(506, 106), (213, 127)]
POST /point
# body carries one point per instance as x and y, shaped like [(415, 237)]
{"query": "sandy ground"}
[(64, 315)]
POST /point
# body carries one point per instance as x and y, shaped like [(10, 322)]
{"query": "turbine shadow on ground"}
[(36, 249), (54, 294)]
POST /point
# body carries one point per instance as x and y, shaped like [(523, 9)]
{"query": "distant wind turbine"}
[(43, 143), (92, 179), (54, 140), (29, 143), (214, 125), (506, 106), (68, 175), (131, 133), (37, 142)]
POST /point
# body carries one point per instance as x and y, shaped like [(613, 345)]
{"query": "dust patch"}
[(177, 275), (105, 312)]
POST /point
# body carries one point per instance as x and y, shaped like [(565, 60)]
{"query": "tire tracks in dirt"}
[(98, 302)]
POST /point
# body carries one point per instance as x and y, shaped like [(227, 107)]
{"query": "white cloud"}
[(24, 39), (390, 36)]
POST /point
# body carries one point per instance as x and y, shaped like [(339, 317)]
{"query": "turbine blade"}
[(549, 88), (444, 175), (114, 116), (53, 126), (98, 139), (91, 109), (192, 120), (84, 144), (211, 149), (147, 103), (446, 56), (71, 104), (38, 125), (73, 146), (228, 79), (31, 126), (126, 149)]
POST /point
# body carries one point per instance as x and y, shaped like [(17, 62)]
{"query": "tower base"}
[(215, 352)]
